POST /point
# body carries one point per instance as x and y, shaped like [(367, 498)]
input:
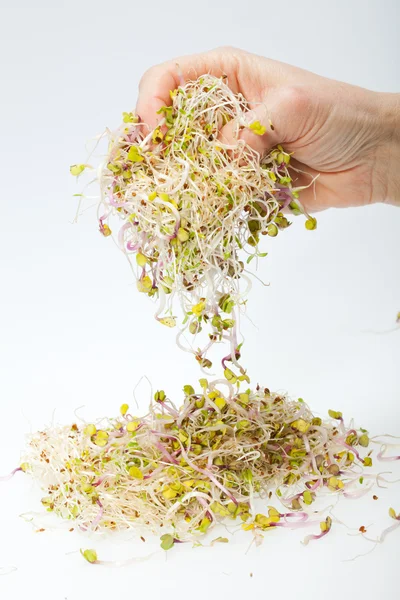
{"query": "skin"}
[(347, 135)]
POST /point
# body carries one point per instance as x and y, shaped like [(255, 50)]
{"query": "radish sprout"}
[(193, 210), (186, 469)]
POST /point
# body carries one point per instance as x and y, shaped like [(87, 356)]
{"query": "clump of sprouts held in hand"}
[(186, 469), (194, 209)]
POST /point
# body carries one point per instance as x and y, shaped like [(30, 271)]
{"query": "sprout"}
[(191, 210), (167, 541), (188, 468), (76, 170), (259, 129), (89, 555)]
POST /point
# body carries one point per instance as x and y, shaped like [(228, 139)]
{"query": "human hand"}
[(348, 136)]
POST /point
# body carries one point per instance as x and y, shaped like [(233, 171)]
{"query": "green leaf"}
[(89, 555), (167, 541), (335, 414), (76, 170)]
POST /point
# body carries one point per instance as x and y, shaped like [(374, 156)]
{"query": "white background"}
[(74, 331)]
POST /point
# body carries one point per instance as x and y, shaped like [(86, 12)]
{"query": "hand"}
[(347, 135)]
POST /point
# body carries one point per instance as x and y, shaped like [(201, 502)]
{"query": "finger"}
[(157, 82)]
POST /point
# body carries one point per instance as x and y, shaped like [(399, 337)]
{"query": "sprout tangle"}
[(180, 471), (193, 210)]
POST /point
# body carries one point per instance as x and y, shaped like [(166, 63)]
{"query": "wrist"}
[(389, 149)]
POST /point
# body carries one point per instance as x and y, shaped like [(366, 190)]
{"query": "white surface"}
[(74, 331)]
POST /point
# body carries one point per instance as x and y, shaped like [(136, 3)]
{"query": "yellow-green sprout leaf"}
[(368, 461), (363, 440), (167, 541), (124, 409), (311, 223), (105, 229), (204, 525), (183, 235), (90, 429), (89, 555), (219, 509), (220, 402), (230, 375), (169, 493), (188, 390), (76, 170), (157, 136), (141, 260), (334, 414), (392, 513), (101, 438), (301, 425), (257, 128), (159, 396), (24, 467), (168, 321), (129, 117), (247, 475), (152, 196), (135, 472), (221, 540), (135, 154), (198, 309), (272, 230), (132, 426), (307, 497), (144, 284)]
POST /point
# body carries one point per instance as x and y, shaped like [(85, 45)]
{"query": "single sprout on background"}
[(194, 210)]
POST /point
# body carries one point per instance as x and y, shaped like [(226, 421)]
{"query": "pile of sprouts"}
[(180, 471), (194, 209)]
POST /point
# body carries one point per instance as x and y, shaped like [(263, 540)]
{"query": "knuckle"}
[(295, 99)]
